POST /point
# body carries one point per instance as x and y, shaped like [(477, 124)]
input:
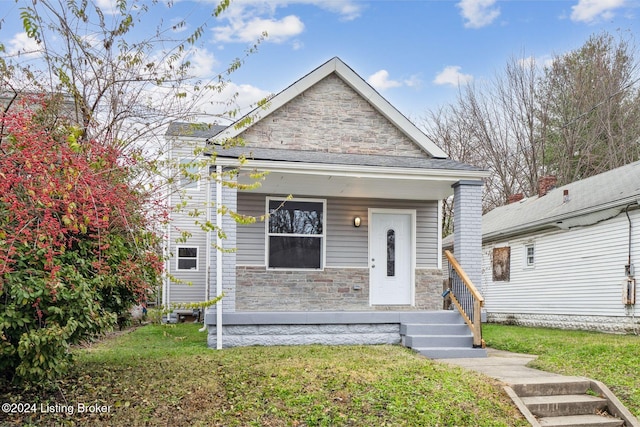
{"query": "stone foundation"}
[(301, 328), (608, 324), (247, 335), (333, 289)]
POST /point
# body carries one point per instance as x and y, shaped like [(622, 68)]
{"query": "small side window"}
[(188, 175), (530, 255), (187, 258)]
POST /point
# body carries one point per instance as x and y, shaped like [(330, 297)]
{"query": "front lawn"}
[(612, 359), (165, 376)]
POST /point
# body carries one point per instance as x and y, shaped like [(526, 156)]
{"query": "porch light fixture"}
[(356, 221)]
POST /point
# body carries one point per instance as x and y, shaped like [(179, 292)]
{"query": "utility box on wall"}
[(629, 291)]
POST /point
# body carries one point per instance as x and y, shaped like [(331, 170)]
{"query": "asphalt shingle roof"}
[(600, 197), (193, 130)]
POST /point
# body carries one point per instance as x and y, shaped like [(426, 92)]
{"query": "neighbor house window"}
[(188, 174), (295, 233), (530, 255), (187, 258)]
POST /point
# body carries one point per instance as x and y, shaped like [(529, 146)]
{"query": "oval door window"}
[(391, 253)]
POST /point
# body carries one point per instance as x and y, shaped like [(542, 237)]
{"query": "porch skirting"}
[(300, 328)]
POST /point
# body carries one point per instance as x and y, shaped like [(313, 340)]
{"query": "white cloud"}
[(203, 63), (346, 9), (590, 10), (249, 31), (380, 80), (23, 45), (478, 13), (247, 20), (108, 7), (452, 76)]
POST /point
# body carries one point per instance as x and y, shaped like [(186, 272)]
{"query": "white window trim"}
[(181, 178), (526, 255), (178, 258), (323, 236)]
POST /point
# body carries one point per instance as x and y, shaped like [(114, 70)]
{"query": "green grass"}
[(166, 376), (612, 359)]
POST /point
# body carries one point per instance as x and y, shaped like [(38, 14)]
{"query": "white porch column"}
[(222, 275), (467, 217)]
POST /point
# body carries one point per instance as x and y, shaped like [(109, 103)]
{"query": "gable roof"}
[(588, 201), (353, 80)]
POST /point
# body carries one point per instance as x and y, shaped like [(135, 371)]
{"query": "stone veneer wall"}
[(331, 117), (334, 289), (588, 323)]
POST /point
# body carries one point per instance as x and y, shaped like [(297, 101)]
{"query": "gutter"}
[(354, 170), (207, 277)]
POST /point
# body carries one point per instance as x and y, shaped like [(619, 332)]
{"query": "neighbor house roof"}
[(351, 78), (194, 130), (580, 203)]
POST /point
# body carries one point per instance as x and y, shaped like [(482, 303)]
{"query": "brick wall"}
[(330, 117), (330, 290)]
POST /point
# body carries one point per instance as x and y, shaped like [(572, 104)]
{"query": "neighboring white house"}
[(357, 247), (566, 257)]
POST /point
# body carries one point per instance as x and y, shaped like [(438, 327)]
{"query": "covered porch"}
[(375, 261)]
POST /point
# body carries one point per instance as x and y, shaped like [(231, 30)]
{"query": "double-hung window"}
[(187, 258), (530, 255), (296, 233)]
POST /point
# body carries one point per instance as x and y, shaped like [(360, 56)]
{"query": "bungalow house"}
[(566, 257), (349, 250)]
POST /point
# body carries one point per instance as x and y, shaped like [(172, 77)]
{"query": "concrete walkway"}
[(504, 366), (520, 380)]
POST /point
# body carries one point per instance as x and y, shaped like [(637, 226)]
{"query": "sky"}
[(416, 53)]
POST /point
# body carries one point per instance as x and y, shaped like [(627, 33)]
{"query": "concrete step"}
[(542, 387), (433, 317), (451, 352), (581, 421), (414, 341), (564, 404), (434, 329)]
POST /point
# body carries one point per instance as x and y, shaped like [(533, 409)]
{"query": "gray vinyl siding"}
[(194, 288), (346, 245), (251, 237), (576, 272)]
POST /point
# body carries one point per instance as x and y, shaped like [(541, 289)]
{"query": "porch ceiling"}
[(358, 182)]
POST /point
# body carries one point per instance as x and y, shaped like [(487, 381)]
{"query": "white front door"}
[(391, 257)]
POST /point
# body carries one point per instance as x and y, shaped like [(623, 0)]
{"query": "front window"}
[(295, 233), (187, 258)]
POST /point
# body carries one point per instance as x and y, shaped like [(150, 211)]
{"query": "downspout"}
[(626, 211), (167, 249), (207, 279), (218, 256), (630, 272)]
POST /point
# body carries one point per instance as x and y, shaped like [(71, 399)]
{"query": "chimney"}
[(515, 198), (546, 183)]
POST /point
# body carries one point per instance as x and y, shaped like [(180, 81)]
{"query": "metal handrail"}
[(466, 298)]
